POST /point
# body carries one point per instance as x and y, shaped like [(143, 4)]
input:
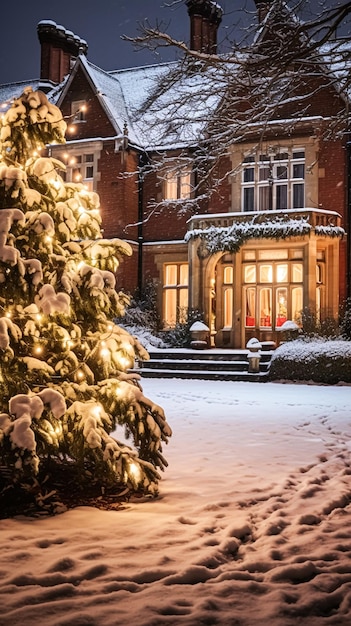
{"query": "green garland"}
[(232, 238)]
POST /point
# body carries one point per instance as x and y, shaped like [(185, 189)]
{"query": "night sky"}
[(101, 23)]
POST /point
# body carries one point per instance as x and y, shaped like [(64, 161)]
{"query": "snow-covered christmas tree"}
[(64, 362)]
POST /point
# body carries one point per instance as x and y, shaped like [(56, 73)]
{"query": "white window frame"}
[(290, 157), (78, 111), (177, 291)]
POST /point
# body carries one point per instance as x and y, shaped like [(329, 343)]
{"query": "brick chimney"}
[(205, 17), (59, 48), (263, 6)]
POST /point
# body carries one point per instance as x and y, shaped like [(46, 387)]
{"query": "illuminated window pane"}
[(170, 306), (177, 185), (185, 186), (282, 273), (228, 307), (265, 305), (266, 274), (171, 275), (250, 304), (296, 303), (183, 305), (281, 306), (175, 300), (318, 303), (264, 255), (171, 187), (228, 275), (250, 273), (76, 175), (184, 274), (297, 273), (89, 185)]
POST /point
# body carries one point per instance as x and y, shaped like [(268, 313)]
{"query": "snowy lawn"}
[(252, 526)]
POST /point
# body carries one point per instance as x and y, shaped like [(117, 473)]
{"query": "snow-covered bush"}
[(180, 335), (64, 362), (317, 360)]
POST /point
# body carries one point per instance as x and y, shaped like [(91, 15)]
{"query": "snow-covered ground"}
[(252, 526)]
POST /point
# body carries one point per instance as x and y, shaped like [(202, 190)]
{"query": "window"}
[(78, 111), (82, 168), (177, 185), (278, 293), (275, 182), (175, 293), (228, 275)]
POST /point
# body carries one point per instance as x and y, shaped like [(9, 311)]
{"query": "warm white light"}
[(38, 350), (97, 411), (134, 471), (71, 129), (104, 352), (80, 375)]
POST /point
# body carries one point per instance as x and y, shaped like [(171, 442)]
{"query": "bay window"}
[(272, 289)]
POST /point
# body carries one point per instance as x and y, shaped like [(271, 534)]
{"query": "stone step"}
[(203, 375), (209, 364)]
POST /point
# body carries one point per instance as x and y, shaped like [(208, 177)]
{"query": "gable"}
[(97, 122)]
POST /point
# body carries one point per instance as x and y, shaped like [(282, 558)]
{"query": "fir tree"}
[(64, 362)]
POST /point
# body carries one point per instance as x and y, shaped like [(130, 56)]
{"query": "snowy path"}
[(252, 526)]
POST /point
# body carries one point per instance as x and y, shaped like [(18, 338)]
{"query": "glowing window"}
[(175, 293)]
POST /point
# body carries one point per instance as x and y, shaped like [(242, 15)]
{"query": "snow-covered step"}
[(211, 364)]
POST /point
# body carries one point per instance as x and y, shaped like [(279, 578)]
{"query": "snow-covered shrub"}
[(142, 310), (345, 323), (317, 360), (180, 335), (327, 328)]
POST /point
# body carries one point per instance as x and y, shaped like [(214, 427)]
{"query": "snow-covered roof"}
[(10, 91), (177, 115)]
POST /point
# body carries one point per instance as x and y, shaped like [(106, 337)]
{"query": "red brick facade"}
[(133, 206)]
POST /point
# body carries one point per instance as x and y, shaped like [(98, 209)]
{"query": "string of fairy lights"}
[(67, 344)]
